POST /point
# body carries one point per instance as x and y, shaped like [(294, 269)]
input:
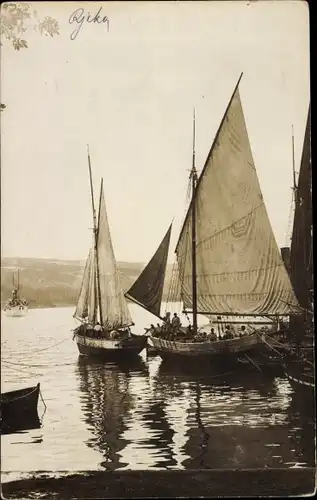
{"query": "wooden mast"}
[(193, 175), (97, 285), (294, 173), (97, 258)]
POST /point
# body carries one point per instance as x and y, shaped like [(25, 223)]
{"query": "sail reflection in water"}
[(150, 416)]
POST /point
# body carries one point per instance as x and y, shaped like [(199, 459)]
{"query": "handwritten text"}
[(79, 17)]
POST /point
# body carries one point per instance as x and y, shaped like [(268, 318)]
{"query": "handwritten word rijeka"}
[(80, 17)]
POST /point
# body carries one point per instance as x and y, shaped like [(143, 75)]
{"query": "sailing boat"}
[(228, 260), (101, 307), (299, 368), (16, 306)]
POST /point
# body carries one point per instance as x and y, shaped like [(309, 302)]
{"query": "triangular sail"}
[(147, 290), (114, 308), (301, 255), (82, 302), (92, 288), (239, 268)]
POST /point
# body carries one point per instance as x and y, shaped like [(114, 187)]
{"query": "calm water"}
[(143, 416)]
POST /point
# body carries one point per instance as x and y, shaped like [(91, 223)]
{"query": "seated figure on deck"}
[(228, 333), (212, 335), (97, 329), (150, 331), (158, 330), (89, 330), (243, 331)]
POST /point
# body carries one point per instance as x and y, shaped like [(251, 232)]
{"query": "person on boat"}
[(242, 331), (176, 322), (97, 329), (114, 334), (150, 331), (89, 330), (167, 318), (228, 333), (212, 335), (158, 329)]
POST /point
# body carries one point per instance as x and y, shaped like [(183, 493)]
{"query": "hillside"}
[(56, 283)]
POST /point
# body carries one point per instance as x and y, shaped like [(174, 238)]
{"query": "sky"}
[(129, 92)]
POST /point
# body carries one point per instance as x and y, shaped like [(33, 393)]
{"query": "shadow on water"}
[(152, 415), (105, 401)]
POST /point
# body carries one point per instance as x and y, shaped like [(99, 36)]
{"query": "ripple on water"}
[(101, 416)]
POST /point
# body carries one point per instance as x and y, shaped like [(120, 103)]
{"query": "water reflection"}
[(154, 416), (106, 399)]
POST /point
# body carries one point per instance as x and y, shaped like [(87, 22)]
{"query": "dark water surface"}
[(143, 415)]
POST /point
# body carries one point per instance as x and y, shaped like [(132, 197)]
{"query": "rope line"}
[(24, 371), (37, 366), (43, 349), (43, 400)]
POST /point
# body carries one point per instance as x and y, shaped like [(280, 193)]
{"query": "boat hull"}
[(110, 349), (300, 374), (16, 311), (206, 351), (19, 409)]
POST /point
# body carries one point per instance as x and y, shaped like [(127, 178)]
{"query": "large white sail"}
[(114, 308), (82, 303), (239, 266)]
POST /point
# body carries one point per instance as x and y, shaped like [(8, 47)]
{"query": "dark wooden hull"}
[(109, 350), (220, 351), (19, 409), (299, 373)]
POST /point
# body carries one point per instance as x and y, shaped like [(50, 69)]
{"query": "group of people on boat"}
[(97, 331), (171, 329)]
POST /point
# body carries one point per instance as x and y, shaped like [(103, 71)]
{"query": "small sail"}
[(147, 290), (301, 255), (239, 266), (82, 303), (114, 308)]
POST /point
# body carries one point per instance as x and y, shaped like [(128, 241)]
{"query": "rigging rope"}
[(43, 349)]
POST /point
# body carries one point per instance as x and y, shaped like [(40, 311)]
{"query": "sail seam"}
[(231, 225), (244, 272)]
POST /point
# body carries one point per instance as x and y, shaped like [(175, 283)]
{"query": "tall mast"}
[(18, 280), (97, 285), (97, 258), (294, 173), (193, 176)]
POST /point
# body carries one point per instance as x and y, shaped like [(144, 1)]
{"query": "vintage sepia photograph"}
[(157, 295)]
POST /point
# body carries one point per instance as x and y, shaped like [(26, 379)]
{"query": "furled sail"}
[(301, 265), (81, 310), (239, 267), (147, 290), (114, 308)]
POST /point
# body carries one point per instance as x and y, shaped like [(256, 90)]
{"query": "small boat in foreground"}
[(19, 409), (101, 307)]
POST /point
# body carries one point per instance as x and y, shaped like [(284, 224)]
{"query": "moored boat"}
[(16, 307), (101, 307), (228, 262), (19, 409)]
